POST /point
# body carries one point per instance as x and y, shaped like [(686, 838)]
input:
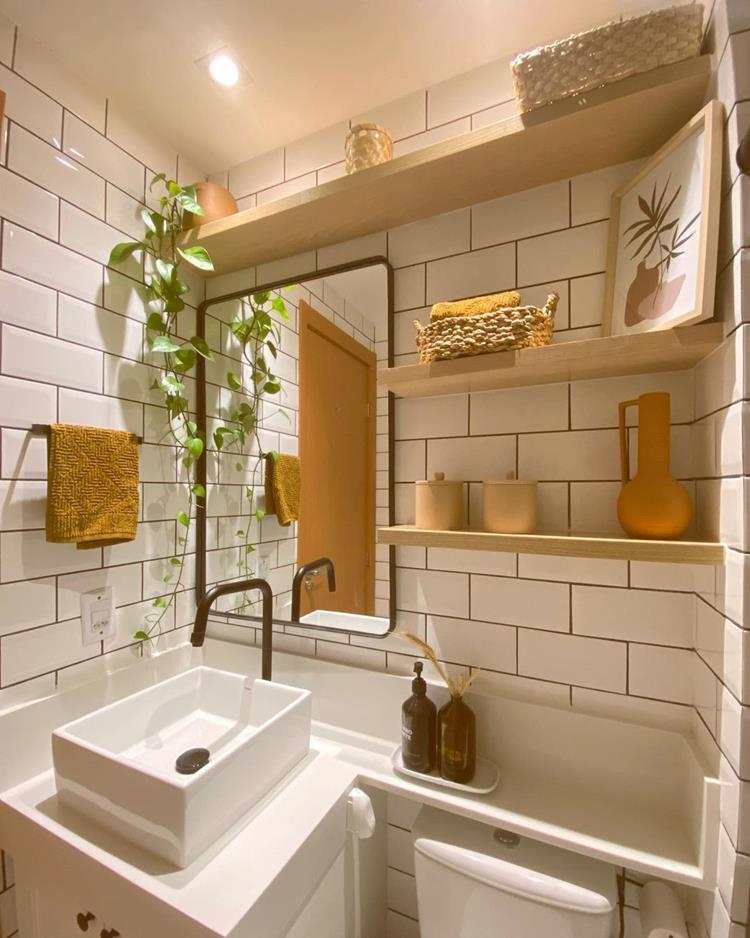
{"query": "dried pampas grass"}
[(457, 688)]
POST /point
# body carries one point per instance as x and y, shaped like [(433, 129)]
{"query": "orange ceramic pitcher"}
[(652, 504)]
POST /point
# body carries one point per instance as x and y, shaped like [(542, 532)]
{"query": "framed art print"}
[(663, 238)]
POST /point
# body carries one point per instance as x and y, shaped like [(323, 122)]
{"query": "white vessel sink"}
[(349, 621), (118, 764)]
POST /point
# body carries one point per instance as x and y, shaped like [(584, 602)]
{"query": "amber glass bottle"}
[(457, 741), (418, 727)]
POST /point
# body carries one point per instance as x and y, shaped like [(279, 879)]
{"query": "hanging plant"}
[(258, 336), (174, 358)]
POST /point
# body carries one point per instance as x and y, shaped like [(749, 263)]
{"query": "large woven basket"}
[(606, 54), (501, 331)]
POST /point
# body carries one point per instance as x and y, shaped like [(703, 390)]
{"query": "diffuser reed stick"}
[(458, 687)]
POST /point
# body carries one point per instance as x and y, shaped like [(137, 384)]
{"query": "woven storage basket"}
[(501, 331), (609, 53)]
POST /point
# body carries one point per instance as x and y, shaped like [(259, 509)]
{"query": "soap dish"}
[(486, 778)]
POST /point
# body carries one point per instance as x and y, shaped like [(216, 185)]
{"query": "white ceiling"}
[(311, 62)]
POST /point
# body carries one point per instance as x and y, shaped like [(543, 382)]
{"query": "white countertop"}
[(626, 794)]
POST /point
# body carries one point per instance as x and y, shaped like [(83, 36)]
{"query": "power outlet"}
[(97, 615)]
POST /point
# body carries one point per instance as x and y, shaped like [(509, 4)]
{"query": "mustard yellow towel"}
[(283, 488), (477, 305), (92, 486)]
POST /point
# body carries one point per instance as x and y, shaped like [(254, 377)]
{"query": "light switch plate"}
[(97, 615)]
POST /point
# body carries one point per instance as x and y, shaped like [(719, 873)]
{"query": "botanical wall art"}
[(661, 269)]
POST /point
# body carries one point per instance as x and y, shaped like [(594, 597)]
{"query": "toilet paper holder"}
[(661, 912)]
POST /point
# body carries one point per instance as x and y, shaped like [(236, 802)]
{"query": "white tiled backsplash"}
[(658, 644)]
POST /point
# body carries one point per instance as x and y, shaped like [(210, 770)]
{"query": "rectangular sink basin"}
[(117, 765), (348, 621)]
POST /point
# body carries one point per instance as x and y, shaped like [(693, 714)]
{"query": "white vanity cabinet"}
[(281, 872), (48, 911)]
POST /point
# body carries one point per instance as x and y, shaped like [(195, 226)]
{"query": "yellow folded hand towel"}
[(283, 487), (92, 486), (477, 305)]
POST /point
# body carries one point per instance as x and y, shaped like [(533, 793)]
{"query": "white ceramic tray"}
[(486, 778)]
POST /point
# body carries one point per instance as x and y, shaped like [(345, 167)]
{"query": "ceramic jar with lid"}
[(509, 506), (439, 504)]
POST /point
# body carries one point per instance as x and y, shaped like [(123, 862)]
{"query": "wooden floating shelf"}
[(558, 545), (620, 122), (670, 350)]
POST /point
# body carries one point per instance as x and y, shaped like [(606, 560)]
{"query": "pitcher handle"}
[(624, 446)]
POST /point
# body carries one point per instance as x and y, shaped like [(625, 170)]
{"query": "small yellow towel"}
[(283, 487), (477, 305), (92, 486)]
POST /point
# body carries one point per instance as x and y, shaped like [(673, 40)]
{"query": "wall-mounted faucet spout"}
[(204, 607), (308, 569)]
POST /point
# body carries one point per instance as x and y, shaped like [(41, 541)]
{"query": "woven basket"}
[(501, 331), (609, 53)]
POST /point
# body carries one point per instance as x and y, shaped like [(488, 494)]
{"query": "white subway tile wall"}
[(636, 642), (72, 351), (648, 643)]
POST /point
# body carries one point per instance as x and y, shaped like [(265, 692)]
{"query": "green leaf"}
[(195, 447), (188, 199), (185, 361), (165, 269), (197, 256), (163, 343), (274, 454), (183, 519), (122, 251), (173, 388), (233, 381), (155, 323), (260, 514), (272, 387), (173, 189), (201, 347), (260, 298), (174, 305), (160, 603), (280, 306), (239, 533), (148, 220), (176, 562), (167, 578), (141, 636), (238, 467), (220, 433), (198, 490), (159, 177)]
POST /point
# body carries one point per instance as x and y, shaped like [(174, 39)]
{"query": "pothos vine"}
[(258, 337)]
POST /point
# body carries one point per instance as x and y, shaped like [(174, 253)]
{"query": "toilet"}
[(476, 882)]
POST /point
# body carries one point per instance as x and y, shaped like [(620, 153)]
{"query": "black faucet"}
[(204, 607), (300, 575)]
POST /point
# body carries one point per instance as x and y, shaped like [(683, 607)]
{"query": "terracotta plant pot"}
[(216, 202), (652, 504)]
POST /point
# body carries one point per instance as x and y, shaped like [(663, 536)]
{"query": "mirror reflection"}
[(297, 451)]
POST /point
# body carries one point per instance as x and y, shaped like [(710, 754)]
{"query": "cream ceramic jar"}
[(509, 506), (439, 504)]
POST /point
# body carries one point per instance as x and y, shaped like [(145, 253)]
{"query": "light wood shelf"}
[(670, 350), (623, 121), (558, 545)]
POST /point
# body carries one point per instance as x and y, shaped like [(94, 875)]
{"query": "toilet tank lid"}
[(515, 880)]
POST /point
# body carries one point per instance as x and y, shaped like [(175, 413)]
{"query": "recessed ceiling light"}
[(224, 70)]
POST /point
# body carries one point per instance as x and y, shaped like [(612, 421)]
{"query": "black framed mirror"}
[(298, 463)]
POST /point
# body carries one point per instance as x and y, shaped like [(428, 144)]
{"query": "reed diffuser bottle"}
[(457, 741)]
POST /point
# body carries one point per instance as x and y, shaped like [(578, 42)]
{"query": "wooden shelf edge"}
[(558, 545), (606, 357), (616, 123)]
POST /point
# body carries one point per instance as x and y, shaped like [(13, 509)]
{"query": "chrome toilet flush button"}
[(506, 838)]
